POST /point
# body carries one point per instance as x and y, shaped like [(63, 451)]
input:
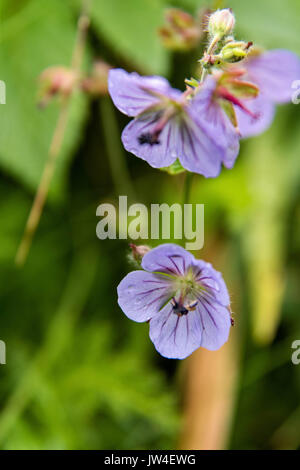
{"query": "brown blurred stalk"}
[(209, 379), (209, 398), (56, 143)]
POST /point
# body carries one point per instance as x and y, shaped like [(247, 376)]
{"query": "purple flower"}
[(167, 125), (273, 72), (184, 299)]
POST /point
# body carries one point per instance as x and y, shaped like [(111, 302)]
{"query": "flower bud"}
[(221, 23), (239, 88), (96, 83), (57, 80), (235, 51), (181, 31), (137, 252)]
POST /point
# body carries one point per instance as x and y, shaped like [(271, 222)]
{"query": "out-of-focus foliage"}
[(123, 26), (33, 38), (78, 373), (270, 23)]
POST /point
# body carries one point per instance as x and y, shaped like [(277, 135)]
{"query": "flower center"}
[(164, 113), (187, 291), (181, 309)]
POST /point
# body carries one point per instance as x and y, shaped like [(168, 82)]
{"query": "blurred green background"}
[(79, 374)]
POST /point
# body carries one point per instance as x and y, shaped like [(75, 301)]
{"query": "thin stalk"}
[(211, 48), (116, 156), (56, 143), (187, 188)]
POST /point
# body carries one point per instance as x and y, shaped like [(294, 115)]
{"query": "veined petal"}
[(175, 337), (215, 122), (274, 72), (198, 151), (160, 154), (169, 258), (215, 323), (225, 133), (133, 94), (264, 110), (141, 295), (231, 153), (212, 281)]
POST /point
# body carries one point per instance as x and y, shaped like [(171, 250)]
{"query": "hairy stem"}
[(211, 48)]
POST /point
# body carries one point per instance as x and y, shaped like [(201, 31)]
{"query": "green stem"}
[(116, 156), (203, 74), (213, 44), (187, 188), (211, 48)]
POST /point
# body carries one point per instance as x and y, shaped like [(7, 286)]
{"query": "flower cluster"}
[(184, 299), (202, 126)]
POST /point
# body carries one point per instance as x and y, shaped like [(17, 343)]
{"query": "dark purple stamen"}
[(148, 138), (178, 308)]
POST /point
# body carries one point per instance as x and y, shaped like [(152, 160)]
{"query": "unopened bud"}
[(56, 80), (235, 51), (96, 83), (239, 88), (221, 23), (191, 82), (181, 31), (138, 252)]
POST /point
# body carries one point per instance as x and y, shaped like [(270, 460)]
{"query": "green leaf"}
[(34, 37), (271, 23), (130, 27), (265, 232)]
